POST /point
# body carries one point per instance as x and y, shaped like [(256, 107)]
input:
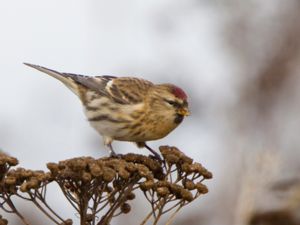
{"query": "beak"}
[(183, 111)]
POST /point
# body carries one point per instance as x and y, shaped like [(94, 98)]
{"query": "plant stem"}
[(12, 206)]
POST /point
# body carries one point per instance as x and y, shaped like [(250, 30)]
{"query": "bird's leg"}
[(107, 143), (112, 153), (156, 155)]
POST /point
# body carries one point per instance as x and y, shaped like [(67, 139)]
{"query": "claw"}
[(112, 153), (155, 154)]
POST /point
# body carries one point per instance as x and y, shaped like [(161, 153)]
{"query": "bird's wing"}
[(124, 90), (67, 80), (127, 90)]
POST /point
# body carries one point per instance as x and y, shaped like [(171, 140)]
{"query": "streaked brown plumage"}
[(126, 108)]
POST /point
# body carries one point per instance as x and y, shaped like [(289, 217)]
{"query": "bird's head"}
[(172, 101)]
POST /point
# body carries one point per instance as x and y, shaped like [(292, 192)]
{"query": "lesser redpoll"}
[(126, 108)]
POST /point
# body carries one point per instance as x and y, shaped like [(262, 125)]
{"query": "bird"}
[(126, 108)]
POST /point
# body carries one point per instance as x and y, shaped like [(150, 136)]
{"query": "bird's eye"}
[(173, 103)]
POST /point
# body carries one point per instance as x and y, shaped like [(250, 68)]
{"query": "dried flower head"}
[(125, 208), (3, 221), (107, 185)]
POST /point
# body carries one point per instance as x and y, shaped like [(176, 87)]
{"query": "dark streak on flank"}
[(106, 118), (136, 116), (134, 126), (105, 104), (91, 108), (137, 133), (95, 108), (113, 109)]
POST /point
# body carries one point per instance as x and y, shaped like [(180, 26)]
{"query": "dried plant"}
[(101, 189)]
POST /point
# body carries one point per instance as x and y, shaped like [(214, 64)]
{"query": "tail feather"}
[(63, 77)]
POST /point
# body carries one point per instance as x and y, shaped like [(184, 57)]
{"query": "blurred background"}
[(239, 62)]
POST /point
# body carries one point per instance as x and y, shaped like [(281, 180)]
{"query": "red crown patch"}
[(179, 93)]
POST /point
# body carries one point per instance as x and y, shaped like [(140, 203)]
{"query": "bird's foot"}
[(155, 154), (114, 155)]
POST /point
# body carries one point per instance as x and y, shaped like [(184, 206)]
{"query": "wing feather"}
[(128, 90), (123, 90)]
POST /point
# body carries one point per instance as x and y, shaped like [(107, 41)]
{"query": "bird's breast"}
[(157, 127)]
